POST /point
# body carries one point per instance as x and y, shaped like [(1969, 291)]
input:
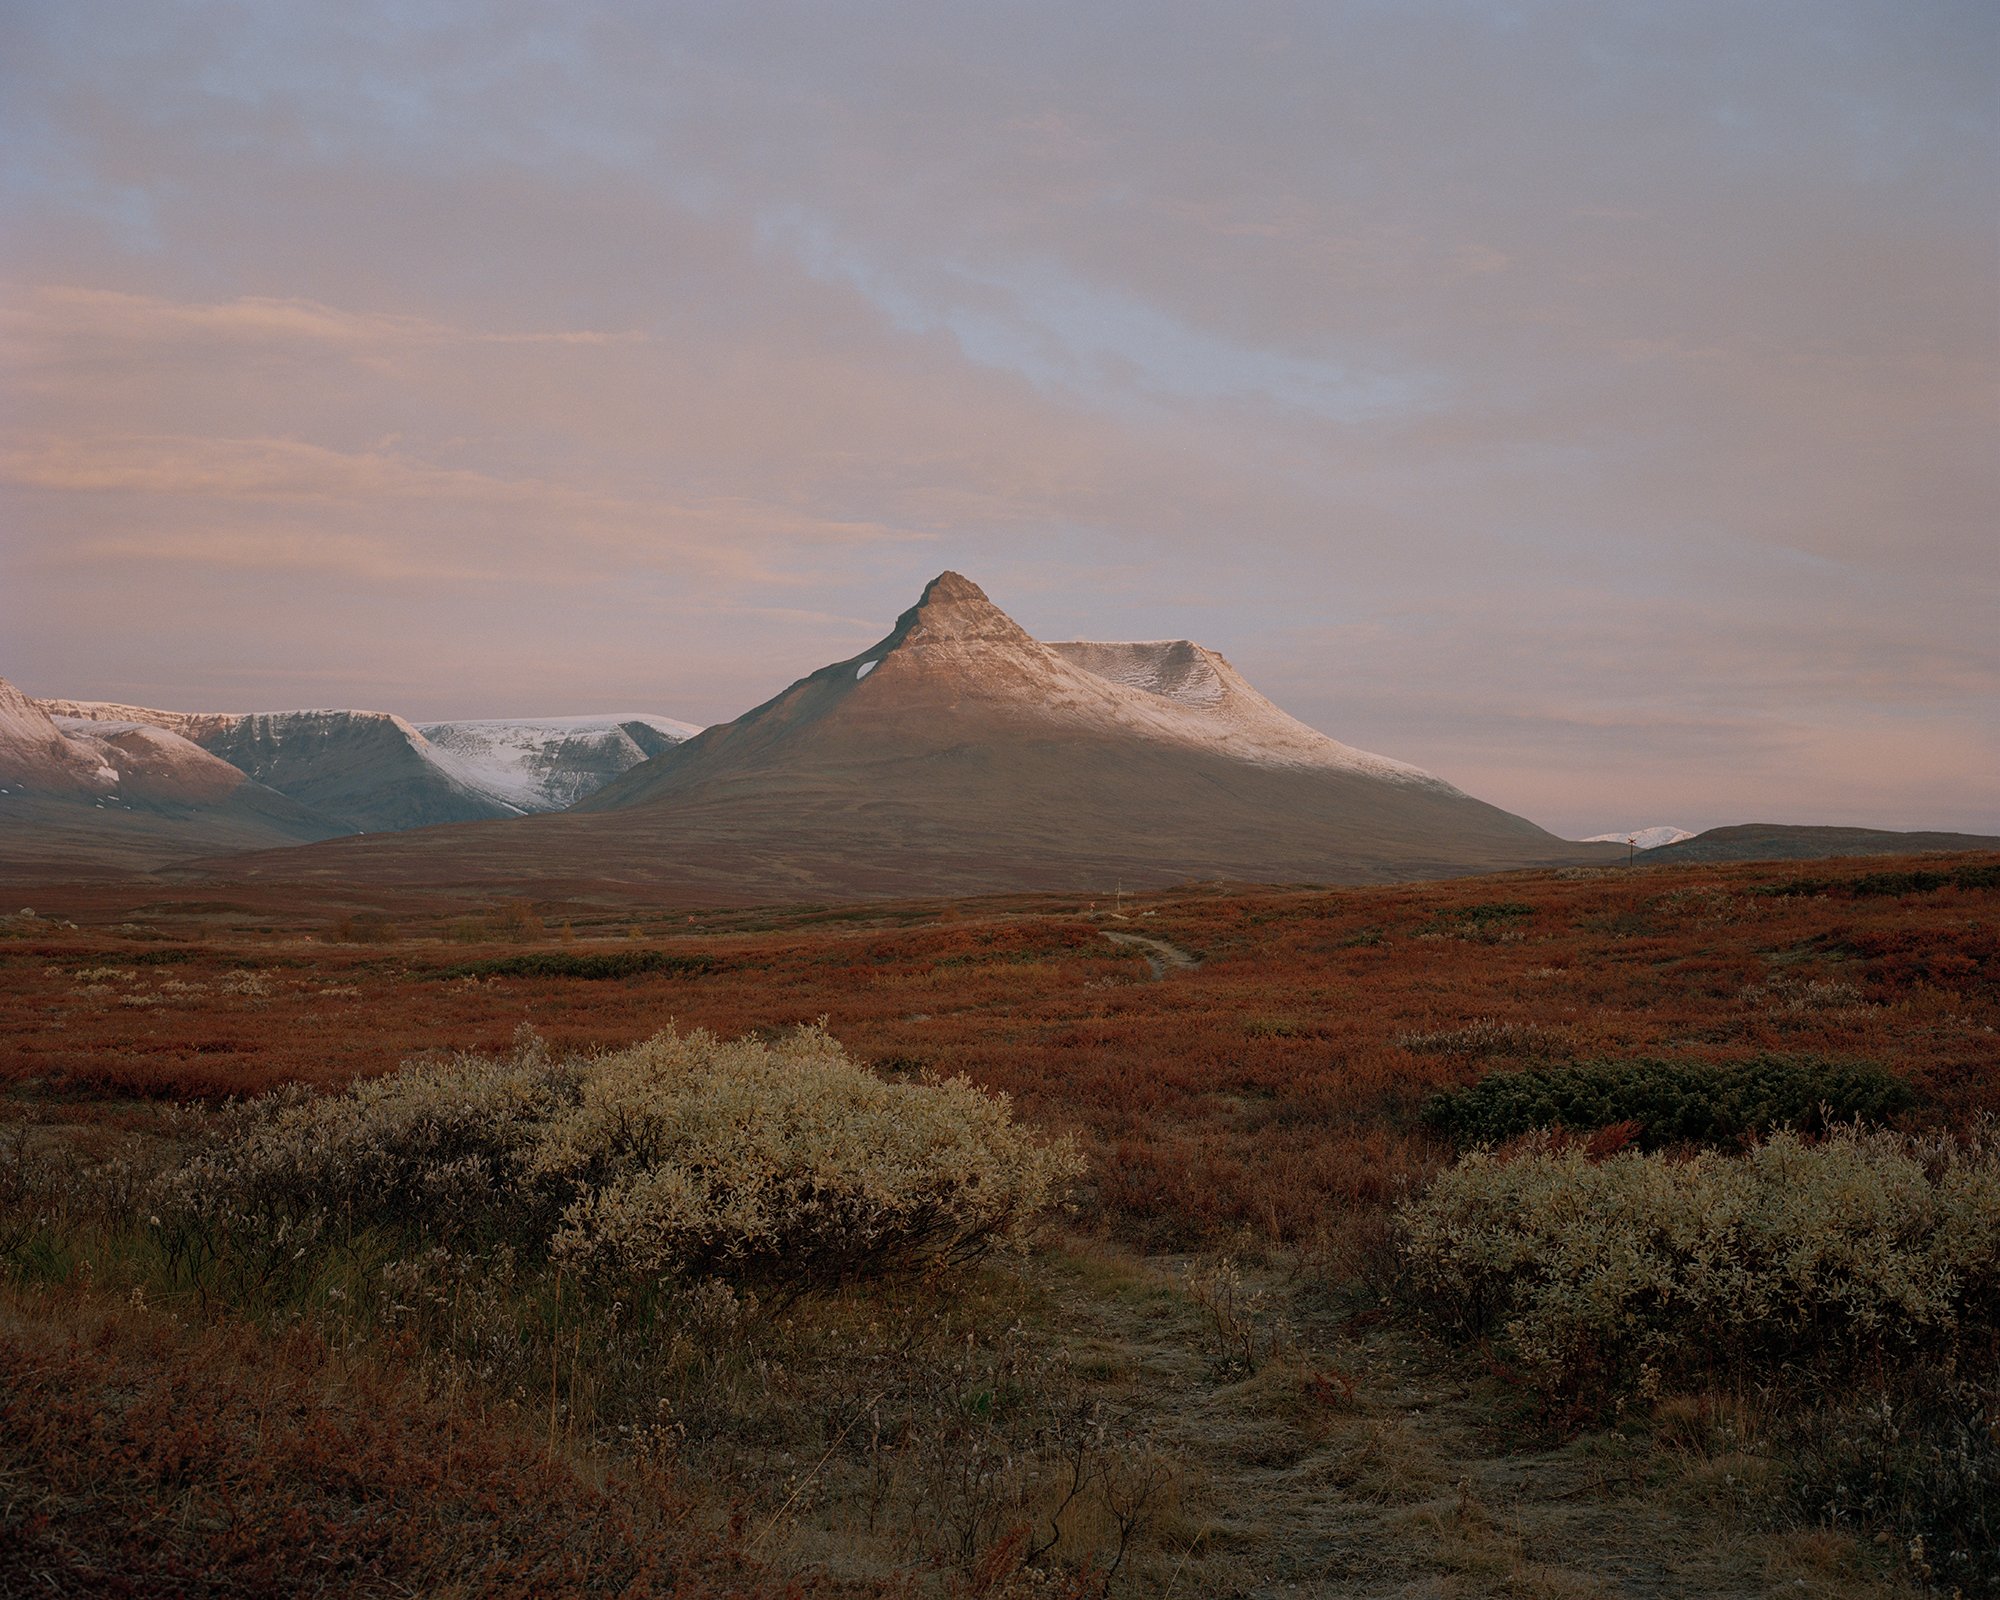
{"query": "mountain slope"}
[(1774, 841), (960, 755), (94, 794), (367, 771)]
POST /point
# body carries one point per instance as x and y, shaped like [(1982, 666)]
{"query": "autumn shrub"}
[(1492, 923), (1671, 1102), (689, 1155), (165, 956), (516, 920), (782, 1164), (1608, 1276)]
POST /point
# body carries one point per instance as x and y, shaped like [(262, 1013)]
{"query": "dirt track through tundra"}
[(1361, 1463), (1160, 956)]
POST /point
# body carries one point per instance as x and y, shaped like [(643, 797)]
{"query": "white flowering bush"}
[(1612, 1273), (782, 1163)]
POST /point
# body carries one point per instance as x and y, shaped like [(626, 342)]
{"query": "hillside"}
[(365, 771), (1772, 841)]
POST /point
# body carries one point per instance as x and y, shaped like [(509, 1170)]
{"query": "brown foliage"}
[(152, 1461)]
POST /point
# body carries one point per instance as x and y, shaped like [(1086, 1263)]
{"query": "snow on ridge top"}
[(1175, 691), (1179, 690), (117, 711), (594, 722), (1179, 669), (102, 727), (548, 763), (1644, 838)]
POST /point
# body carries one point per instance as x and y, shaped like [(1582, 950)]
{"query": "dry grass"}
[(144, 1457)]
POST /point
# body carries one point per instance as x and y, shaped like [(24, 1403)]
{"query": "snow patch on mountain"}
[(1177, 690), (373, 770), (1178, 669), (549, 763), (1644, 838)]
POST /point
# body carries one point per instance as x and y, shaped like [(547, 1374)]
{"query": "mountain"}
[(550, 763), (365, 771), (372, 772), (960, 755), (1773, 841), (82, 795), (1644, 838)]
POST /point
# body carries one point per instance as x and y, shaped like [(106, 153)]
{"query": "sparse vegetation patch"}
[(1920, 1455)]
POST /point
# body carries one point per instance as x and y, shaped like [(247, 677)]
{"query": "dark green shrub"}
[(1872, 885), (567, 964), (1489, 912), (1671, 1102)]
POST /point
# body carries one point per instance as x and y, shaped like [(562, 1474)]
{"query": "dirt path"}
[(1365, 1464), (1160, 956)]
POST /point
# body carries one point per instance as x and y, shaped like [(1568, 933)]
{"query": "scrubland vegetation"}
[(1571, 1234)]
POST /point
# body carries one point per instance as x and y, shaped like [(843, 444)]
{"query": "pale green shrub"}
[(1608, 1274), (441, 1144), (688, 1154), (779, 1163)]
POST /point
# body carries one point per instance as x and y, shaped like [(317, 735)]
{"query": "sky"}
[(1596, 402)]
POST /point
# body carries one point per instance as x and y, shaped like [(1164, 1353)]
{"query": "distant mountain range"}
[(960, 755), (132, 785), (119, 793), (956, 755)]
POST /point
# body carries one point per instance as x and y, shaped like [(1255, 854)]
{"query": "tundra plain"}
[(1216, 1371)]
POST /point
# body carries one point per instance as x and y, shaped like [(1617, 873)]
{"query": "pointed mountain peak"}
[(953, 608), (948, 587)]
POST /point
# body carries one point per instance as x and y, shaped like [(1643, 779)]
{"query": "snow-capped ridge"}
[(375, 771), (1179, 669), (955, 647), (1642, 838), (549, 763)]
